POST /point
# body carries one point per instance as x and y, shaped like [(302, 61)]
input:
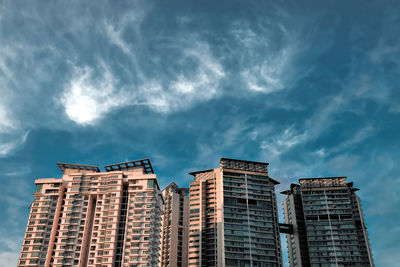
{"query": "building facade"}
[(328, 226), (175, 226), (94, 218), (233, 218)]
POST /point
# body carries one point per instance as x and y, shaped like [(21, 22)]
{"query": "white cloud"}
[(7, 54), (166, 93), (6, 123), (270, 75), (114, 34), (8, 146), (115, 38), (16, 197), (8, 258), (245, 36), (87, 98), (199, 86), (384, 51), (284, 141), (355, 139), (274, 70), (185, 89), (12, 133)]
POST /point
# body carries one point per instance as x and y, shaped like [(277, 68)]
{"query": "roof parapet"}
[(323, 181), (197, 172), (78, 167), (245, 165), (129, 165)]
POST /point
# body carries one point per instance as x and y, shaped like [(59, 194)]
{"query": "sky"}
[(312, 87)]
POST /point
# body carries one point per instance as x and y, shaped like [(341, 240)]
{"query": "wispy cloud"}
[(197, 86), (6, 123), (358, 137), (280, 46), (271, 72), (9, 143), (384, 51), (15, 210), (128, 25), (284, 141), (9, 258), (88, 97)]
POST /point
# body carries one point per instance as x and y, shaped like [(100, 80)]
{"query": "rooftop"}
[(144, 163), (245, 165), (323, 180), (129, 165), (64, 166)]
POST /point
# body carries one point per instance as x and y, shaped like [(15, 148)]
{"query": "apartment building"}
[(94, 218), (233, 219), (327, 222), (174, 251)]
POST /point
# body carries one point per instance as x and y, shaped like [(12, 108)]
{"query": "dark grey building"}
[(326, 224)]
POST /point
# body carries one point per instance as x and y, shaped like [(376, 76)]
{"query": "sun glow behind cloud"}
[(86, 99)]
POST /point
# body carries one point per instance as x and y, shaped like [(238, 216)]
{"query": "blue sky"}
[(311, 87)]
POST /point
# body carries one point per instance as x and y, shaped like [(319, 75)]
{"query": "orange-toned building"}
[(94, 218), (233, 218)]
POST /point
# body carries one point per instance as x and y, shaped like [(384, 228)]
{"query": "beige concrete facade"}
[(93, 218), (233, 218), (203, 219), (174, 251)]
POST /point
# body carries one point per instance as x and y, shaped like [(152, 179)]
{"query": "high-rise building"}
[(327, 224), (233, 219), (94, 218), (174, 251)]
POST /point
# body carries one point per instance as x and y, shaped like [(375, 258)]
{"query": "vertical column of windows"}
[(70, 232), (330, 228), (40, 222), (209, 222), (249, 222), (143, 228), (121, 226), (103, 239), (195, 227), (165, 259), (155, 231)]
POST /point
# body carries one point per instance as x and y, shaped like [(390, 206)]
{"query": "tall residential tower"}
[(174, 251), (327, 224), (233, 219), (94, 218)]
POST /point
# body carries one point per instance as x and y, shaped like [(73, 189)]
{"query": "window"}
[(151, 183), (38, 188)]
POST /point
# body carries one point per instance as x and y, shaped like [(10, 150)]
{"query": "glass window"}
[(151, 183), (38, 188)]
